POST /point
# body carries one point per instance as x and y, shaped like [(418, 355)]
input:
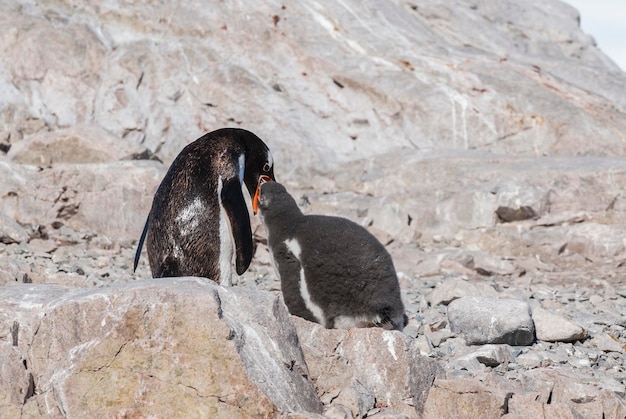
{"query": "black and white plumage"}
[(199, 213), (332, 271)]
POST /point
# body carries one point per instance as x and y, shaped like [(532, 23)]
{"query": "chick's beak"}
[(257, 192)]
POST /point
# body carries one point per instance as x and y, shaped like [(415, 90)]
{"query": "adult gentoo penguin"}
[(199, 209), (332, 271)]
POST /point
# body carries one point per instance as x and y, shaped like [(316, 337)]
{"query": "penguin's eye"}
[(267, 167)]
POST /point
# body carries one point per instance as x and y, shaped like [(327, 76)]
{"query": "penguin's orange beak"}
[(257, 192)]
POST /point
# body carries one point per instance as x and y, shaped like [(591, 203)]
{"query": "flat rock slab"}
[(482, 320)]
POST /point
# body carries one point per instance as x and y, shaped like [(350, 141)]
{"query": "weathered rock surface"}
[(112, 198), (80, 144), (366, 369), (11, 231), (489, 320), (152, 73), (450, 290), (464, 398), (488, 355), (483, 143), (159, 347)]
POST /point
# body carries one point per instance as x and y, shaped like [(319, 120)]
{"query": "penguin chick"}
[(332, 271)]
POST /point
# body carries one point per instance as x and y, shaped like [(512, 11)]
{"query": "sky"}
[(605, 20)]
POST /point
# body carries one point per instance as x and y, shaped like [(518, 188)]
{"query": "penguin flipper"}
[(239, 220), (140, 244)]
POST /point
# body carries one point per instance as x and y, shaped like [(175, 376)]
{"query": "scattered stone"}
[(454, 288), (507, 215), (437, 337), (596, 299), (11, 271), (337, 411), (43, 246), (484, 320), (464, 397), (607, 343), (488, 265), (424, 345), (530, 360), (10, 231), (490, 355), (562, 218), (554, 328)]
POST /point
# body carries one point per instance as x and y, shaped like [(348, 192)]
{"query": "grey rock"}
[(525, 405), (454, 288), (338, 411), (468, 363), (507, 214), (385, 413), (423, 372), (423, 343), (486, 264), (12, 272), (562, 218), (437, 337), (596, 299), (490, 355), (488, 320), (10, 231), (42, 247), (607, 343), (517, 203), (554, 328), (530, 359)]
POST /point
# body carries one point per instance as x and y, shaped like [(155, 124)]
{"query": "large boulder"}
[(483, 320), (366, 369), (169, 347)]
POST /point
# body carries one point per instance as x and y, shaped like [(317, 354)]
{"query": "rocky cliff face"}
[(482, 142)]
